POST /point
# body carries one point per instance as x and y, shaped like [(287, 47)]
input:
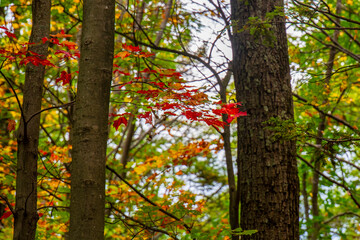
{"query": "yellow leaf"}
[(13, 8), (15, 25), (140, 169), (60, 9), (72, 9)]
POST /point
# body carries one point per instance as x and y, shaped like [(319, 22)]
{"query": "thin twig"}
[(45, 109), (331, 180), (8, 203)]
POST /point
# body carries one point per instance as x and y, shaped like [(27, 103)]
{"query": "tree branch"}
[(188, 228)]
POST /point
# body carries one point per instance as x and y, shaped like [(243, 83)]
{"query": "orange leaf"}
[(61, 34), (69, 45), (122, 55), (179, 173)]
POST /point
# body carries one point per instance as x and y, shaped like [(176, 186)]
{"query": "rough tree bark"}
[(269, 185), (91, 121), (26, 217)]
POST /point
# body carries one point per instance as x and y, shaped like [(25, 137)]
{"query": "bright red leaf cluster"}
[(65, 78)]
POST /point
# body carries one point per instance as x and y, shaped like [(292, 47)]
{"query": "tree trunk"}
[(91, 121), (233, 187), (318, 156), (26, 216), (269, 184)]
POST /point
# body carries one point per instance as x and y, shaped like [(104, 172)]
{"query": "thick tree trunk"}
[(269, 184), (91, 121), (26, 216)]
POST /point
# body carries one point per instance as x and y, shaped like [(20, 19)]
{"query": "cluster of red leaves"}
[(65, 78), (70, 46), (121, 119), (231, 110), (170, 96), (185, 102), (24, 56)]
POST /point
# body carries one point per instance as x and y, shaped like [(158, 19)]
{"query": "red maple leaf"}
[(166, 106), (55, 41), (8, 33), (44, 40), (64, 77), (147, 116), (66, 54), (119, 121), (147, 70), (231, 109), (146, 54), (35, 60), (149, 93), (6, 215), (192, 115), (216, 123), (131, 48)]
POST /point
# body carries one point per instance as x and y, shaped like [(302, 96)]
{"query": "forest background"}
[(166, 142)]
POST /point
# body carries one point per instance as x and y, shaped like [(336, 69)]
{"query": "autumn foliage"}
[(147, 94)]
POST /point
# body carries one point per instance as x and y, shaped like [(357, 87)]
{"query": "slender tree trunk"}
[(269, 184), (226, 134), (305, 197), (91, 120), (318, 156), (26, 216)]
